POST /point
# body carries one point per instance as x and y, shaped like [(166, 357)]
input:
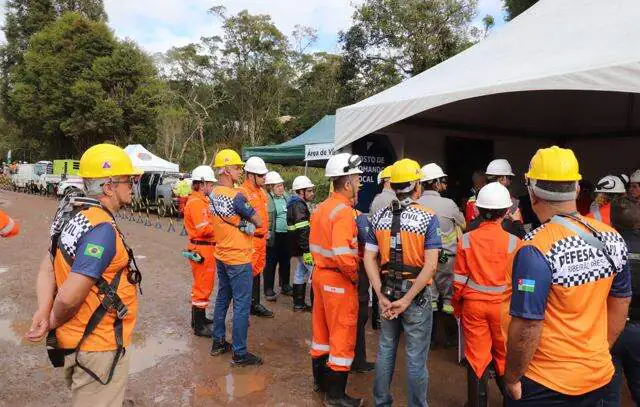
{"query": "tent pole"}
[(306, 163)]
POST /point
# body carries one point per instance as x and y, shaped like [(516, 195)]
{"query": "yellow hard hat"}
[(386, 173), (405, 170), (554, 164), (106, 160), (227, 157)]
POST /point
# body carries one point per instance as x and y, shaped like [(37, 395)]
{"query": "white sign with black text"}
[(314, 152)]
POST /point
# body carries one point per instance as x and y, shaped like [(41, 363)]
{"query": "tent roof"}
[(292, 151), (559, 49), (147, 161)]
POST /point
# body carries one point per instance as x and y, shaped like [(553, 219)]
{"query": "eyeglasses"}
[(129, 181), (353, 163)]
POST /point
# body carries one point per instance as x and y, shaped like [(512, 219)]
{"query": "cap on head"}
[(494, 196), (499, 167), (611, 184), (104, 161), (554, 164), (203, 173), (227, 157), (256, 165), (432, 171), (343, 164), (301, 182), (273, 178)]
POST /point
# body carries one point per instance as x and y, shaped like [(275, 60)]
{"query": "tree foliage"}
[(516, 7), (79, 86), (391, 40)]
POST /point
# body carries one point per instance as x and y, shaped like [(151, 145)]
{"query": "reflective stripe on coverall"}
[(198, 222), (602, 214), (8, 227), (479, 286), (333, 244)]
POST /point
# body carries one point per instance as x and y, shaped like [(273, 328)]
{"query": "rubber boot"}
[(318, 367), (206, 320), (336, 386), (258, 309), (476, 389), (200, 327), (299, 292)]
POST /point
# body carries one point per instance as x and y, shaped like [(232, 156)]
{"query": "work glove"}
[(248, 228), (308, 259)]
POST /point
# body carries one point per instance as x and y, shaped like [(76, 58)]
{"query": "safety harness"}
[(396, 274), (110, 301)]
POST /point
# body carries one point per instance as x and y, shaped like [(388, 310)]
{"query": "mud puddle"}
[(240, 385), (151, 351)]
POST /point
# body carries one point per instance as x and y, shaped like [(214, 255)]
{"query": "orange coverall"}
[(257, 198), (8, 227), (334, 246), (602, 214), (198, 222), (479, 285)]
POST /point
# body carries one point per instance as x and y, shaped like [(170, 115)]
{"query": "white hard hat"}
[(203, 173), (432, 171), (635, 177), (610, 185), (494, 196), (499, 167), (301, 182), (342, 164), (273, 178), (255, 165)]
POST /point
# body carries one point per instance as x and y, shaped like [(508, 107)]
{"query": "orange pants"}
[(204, 275), (483, 340), (334, 318), (259, 256)]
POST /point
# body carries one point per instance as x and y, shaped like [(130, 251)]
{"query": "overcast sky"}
[(157, 25)]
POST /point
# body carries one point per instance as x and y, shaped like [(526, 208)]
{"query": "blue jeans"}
[(416, 322), (626, 359), (301, 274), (234, 282), (536, 395)]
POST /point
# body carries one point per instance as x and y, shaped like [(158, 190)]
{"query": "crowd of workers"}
[(554, 313)]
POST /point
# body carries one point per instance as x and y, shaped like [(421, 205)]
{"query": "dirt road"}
[(170, 366)]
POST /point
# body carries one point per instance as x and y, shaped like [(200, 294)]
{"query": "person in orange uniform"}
[(198, 222), (334, 247), (567, 298), (88, 300), (479, 285), (8, 226), (405, 238), (235, 222), (607, 190), (256, 170)]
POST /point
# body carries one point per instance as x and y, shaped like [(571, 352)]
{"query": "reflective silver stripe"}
[(317, 249), (597, 215), (633, 256), (371, 247), (200, 303), (486, 288), (458, 278), (335, 290), (337, 251), (513, 241), (465, 241), (340, 361), (320, 347), (8, 228), (335, 210), (203, 224)]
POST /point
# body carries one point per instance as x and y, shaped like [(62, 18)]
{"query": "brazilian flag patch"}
[(94, 250)]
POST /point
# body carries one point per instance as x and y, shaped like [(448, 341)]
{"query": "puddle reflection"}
[(152, 351)]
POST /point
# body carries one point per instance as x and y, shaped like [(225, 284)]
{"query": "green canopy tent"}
[(318, 141)]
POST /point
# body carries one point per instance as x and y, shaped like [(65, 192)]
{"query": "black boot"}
[(319, 367), (335, 395), (258, 309), (476, 388), (287, 290), (200, 326), (206, 320), (299, 292)]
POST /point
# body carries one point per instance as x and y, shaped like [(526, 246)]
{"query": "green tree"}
[(391, 40), (516, 7), (81, 86)]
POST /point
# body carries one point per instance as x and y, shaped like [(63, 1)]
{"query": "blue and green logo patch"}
[(527, 286), (94, 250)]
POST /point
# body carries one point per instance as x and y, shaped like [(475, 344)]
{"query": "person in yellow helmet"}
[(567, 295), (405, 239), (235, 223), (88, 301)]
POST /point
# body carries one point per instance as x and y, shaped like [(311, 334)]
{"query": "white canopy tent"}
[(147, 161), (562, 71)]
